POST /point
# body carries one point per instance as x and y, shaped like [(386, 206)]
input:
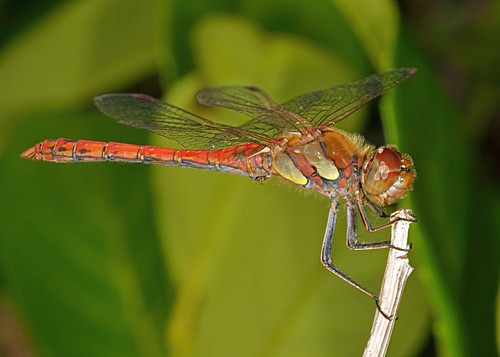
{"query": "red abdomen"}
[(245, 160)]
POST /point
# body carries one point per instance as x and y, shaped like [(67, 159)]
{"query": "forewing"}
[(268, 118), (301, 114), (329, 106), (188, 129), (247, 100)]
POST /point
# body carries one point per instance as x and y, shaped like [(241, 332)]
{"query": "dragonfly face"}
[(387, 175), (295, 140)]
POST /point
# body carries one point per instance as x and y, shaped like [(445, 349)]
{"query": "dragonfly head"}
[(387, 175)]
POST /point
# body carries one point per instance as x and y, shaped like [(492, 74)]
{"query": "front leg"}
[(379, 212), (352, 237), (352, 234)]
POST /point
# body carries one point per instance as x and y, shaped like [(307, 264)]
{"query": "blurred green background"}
[(134, 260)]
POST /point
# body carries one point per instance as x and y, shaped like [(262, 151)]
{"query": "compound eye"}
[(382, 170), (387, 176)]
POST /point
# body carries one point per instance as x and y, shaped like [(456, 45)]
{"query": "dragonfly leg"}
[(378, 211), (327, 251), (352, 237)]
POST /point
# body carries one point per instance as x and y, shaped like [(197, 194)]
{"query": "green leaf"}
[(376, 25), (74, 52), (429, 128)]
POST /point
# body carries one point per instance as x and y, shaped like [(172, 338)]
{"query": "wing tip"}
[(114, 96)]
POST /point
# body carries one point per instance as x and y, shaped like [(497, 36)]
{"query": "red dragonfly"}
[(296, 141)]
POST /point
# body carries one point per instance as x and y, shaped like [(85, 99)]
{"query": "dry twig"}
[(397, 271)]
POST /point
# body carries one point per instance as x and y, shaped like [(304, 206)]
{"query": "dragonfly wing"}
[(247, 100), (329, 106), (188, 129), (269, 118)]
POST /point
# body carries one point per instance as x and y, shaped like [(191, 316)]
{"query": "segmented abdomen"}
[(246, 160)]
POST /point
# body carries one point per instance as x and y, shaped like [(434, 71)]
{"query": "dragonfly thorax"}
[(387, 175), (326, 160), (336, 163)]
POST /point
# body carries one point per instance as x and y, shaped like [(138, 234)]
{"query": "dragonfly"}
[(296, 141)]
